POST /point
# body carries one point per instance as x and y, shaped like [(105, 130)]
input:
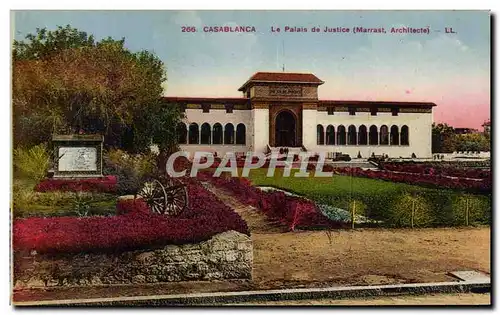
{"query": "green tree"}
[(443, 138), (159, 126), (473, 142), (65, 82), (45, 43)]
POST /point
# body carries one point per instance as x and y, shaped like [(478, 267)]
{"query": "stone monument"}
[(77, 156)]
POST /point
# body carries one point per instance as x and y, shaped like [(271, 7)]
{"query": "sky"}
[(449, 69)]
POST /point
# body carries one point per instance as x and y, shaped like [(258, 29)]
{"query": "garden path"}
[(257, 221)]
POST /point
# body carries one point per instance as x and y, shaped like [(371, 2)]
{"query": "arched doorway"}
[(285, 133)]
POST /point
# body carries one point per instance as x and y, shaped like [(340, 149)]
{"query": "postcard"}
[(217, 158)]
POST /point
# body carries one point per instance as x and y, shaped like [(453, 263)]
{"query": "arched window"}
[(384, 135), (362, 135), (394, 135), (205, 134), (229, 134), (351, 135), (405, 136), (341, 135), (194, 134), (373, 135), (320, 135), (182, 133), (241, 134), (330, 135), (217, 134)]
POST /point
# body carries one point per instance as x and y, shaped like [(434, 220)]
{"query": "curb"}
[(218, 298)]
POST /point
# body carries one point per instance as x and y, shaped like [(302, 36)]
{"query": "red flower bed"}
[(106, 184), (137, 228), (132, 206), (289, 210), (483, 186), (429, 169)]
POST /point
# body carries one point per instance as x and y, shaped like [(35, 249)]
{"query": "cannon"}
[(164, 195)]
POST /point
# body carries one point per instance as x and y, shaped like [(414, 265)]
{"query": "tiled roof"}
[(282, 77), (372, 103), (173, 99)]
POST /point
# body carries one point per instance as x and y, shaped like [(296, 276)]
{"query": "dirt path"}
[(368, 256), (359, 256), (257, 222)]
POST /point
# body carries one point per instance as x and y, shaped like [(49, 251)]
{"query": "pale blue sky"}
[(452, 70)]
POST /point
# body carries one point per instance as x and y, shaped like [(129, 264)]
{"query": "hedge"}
[(433, 169), (106, 184), (482, 186)]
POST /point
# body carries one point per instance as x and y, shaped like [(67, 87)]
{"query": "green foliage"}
[(361, 209), (32, 163), (408, 205), (479, 210), (158, 126), (81, 205), (65, 82), (381, 200), (46, 43), (473, 142), (143, 164), (27, 202), (130, 169), (443, 138)]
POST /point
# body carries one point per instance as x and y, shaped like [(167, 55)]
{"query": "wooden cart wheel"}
[(154, 194), (176, 197)]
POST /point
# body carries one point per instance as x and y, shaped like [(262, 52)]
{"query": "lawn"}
[(338, 184), (28, 203), (387, 201)]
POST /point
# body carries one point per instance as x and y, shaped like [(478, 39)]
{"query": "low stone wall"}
[(227, 255)]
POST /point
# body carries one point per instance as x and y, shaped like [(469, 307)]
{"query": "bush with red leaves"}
[(106, 184), (482, 186), (137, 228), (289, 210), (182, 163), (433, 169), (132, 206)]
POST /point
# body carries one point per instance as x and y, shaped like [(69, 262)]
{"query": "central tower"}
[(283, 108)]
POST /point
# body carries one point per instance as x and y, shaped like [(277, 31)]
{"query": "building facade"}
[(283, 110)]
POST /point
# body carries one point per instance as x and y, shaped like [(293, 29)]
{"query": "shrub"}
[(130, 170), (132, 206), (437, 169), (361, 208), (479, 210), (142, 164), (81, 205), (32, 163), (106, 184), (401, 211), (429, 180)]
